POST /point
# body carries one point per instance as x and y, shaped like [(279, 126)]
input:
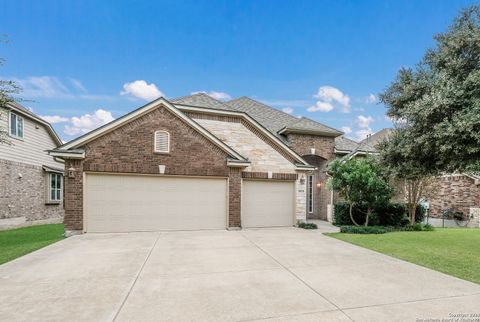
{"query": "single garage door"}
[(267, 203), (124, 203)]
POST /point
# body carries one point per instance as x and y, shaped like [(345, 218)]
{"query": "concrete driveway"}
[(251, 275)]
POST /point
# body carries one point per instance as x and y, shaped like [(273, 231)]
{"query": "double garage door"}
[(126, 203)]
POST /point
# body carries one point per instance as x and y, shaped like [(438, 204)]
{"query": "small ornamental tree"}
[(402, 163), (360, 182)]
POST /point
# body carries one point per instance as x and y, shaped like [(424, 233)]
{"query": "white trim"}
[(238, 164), (67, 155), (140, 111), (155, 141), (49, 196), (311, 168), (17, 118), (253, 122)]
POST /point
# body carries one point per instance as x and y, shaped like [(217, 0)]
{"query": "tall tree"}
[(436, 105)]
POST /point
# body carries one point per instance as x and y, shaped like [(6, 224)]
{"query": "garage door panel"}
[(121, 203), (267, 203)]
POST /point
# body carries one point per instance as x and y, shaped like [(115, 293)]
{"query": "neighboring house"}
[(31, 181), (197, 163), (454, 191)]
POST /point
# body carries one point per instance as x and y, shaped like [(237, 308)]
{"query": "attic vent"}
[(162, 141)]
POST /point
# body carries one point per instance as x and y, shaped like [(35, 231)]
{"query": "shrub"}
[(428, 227), (417, 227), (307, 225), (342, 217), (362, 230), (392, 214)]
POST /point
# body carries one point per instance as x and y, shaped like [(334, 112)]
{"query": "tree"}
[(7, 90), (399, 159), (436, 105), (360, 182)]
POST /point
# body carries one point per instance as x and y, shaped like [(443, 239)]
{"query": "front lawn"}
[(18, 242), (451, 251)]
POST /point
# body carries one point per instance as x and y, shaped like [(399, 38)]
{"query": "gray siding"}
[(30, 150)]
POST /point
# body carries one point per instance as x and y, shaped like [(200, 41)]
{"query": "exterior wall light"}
[(71, 172)]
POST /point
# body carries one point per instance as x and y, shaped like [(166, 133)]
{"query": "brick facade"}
[(235, 197), (324, 152), (24, 195), (130, 149), (454, 191), (303, 143)]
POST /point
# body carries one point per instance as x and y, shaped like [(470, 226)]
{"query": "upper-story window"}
[(162, 142), (16, 125)]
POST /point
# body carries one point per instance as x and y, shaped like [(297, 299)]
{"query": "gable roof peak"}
[(200, 99)]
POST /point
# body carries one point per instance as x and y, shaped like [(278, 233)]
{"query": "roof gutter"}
[(287, 130)]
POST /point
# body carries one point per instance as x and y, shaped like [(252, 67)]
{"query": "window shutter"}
[(162, 141)]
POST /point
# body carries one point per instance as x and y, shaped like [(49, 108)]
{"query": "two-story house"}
[(31, 181)]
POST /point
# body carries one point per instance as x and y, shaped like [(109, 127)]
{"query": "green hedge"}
[(362, 230), (393, 214)]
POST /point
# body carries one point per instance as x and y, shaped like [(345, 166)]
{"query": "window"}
[(162, 142), (310, 194), (55, 187), (16, 126)]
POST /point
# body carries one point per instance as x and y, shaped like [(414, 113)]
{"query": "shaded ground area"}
[(251, 275), (452, 251)]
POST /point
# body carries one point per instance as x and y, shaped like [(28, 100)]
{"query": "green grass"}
[(452, 251), (18, 242)]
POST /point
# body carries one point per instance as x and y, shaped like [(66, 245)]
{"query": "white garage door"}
[(267, 203), (124, 203)]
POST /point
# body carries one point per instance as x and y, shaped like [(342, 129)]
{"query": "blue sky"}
[(83, 63)]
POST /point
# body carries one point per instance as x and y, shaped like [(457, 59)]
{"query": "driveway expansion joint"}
[(136, 278), (296, 276)]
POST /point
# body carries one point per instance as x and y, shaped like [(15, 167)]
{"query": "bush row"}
[(383, 230), (393, 214)]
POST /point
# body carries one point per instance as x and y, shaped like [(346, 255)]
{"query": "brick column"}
[(234, 198), (73, 197)]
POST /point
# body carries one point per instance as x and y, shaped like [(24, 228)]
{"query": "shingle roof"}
[(370, 143), (200, 100), (345, 144), (275, 120)]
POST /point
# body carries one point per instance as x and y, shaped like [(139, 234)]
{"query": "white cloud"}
[(43, 86), (287, 110), (52, 87), (221, 96), (331, 94), (346, 129), (362, 134), (320, 106), (88, 122), (364, 121), (77, 84), (55, 118), (140, 89), (370, 99)]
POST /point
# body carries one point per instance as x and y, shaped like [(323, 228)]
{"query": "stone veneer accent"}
[(262, 155), (25, 199), (455, 191)]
